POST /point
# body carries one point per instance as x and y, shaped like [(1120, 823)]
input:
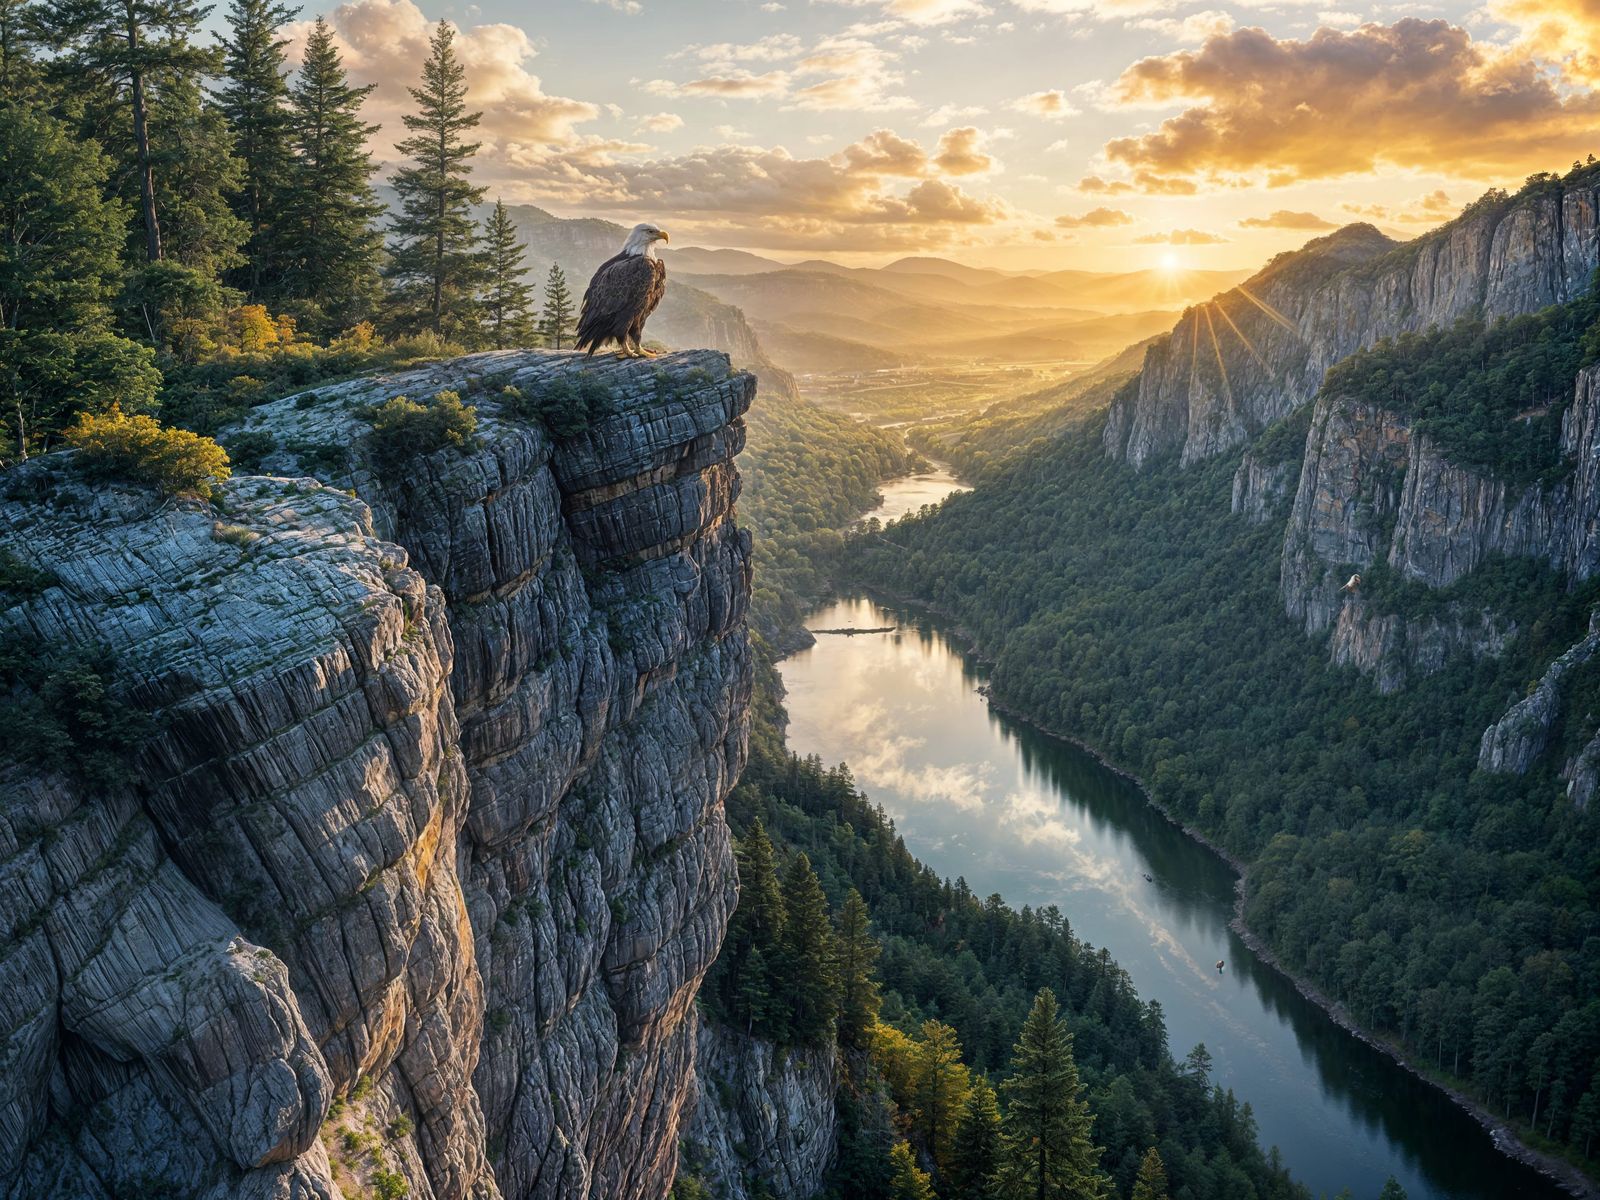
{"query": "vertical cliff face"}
[(1373, 489), (424, 865), (765, 1122), (1241, 361)]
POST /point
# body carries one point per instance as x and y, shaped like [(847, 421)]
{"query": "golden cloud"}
[(961, 152), (1097, 218), (385, 42), (1284, 218), (1182, 237), (1415, 94), (1051, 104)]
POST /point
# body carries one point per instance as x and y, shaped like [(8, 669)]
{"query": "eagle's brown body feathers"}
[(623, 293)]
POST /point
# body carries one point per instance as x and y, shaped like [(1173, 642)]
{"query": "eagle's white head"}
[(643, 239)]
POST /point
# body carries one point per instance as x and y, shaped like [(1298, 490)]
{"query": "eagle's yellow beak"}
[(663, 236)]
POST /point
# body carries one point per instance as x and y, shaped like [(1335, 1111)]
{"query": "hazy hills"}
[(820, 317)]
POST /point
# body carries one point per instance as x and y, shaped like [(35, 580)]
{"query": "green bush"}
[(249, 450), (141, 450), (389, 1185), (402, 429), (20, 578), (60, 708), (567, 406)]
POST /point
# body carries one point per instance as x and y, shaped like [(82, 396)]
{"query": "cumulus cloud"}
[(385, 42), (1095, 217), (1051, 104), (1415, 94), (921, 12), (847, 71), (1194, 28), (961, 152), (1284, 218), (661, 122), (1182, 237), (1142, 182), (1430, 209), (855, 199), (1562, 31)]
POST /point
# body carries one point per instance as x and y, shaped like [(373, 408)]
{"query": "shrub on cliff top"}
[(139, 449), (402, 429)]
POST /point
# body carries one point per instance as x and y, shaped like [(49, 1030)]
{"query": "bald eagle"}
[(623, 293)]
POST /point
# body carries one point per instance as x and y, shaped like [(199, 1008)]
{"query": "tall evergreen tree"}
[(1151, 1182), (907, 1181), (196, 173), (976, 1151), (858, 991), (555, 325), (742, 976), (1046, 1152), (19, 66), (1391, 1190), (435, 266), (254, 98), (806, 955), (60, 262), (506, 299), (126, 45), (327, 245), (939, 1091)]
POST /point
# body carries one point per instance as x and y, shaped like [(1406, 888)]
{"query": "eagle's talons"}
[(643, 353)]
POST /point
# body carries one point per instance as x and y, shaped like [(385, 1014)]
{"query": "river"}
[(1040, 822)]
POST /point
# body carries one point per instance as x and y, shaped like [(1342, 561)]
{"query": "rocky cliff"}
[(1237, 363), (1373, 489), (764, 1123), (688, 316), (412, 886)]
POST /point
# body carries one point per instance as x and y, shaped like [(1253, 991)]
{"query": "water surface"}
[(1039, 822)]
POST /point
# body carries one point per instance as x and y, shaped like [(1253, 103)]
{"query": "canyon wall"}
[(1234, 365), (415, 878)]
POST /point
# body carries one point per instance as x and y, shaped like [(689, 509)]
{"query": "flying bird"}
[(1353, 583), (623, 293)]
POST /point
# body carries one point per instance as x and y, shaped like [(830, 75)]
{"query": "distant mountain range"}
[(820, 316)]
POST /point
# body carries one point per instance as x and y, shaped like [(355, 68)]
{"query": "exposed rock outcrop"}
[(765, 1117), (432, 823), (1236, 364), (1259, 488), (1512, 743)]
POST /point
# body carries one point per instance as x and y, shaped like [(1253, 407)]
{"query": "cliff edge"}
[(412, 885)]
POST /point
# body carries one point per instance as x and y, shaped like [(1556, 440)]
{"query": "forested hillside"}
[(1448, 903)]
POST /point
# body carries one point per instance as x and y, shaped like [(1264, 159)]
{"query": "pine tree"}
[(506, 300), (1151, 1183), (19, 66), (806, 955), (907, 1181), (1046, 1152), (254, 99), (435, 266), (555, 325), (327, 244), (60, 263), (858, 991), (196, 173), (124, 45), (976, 1151), (1391, 1190), (939, 1091), (742, 976)]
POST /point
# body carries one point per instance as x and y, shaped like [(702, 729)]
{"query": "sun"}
[(1170, 262)]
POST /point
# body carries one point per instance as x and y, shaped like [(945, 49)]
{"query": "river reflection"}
[(977, 795)]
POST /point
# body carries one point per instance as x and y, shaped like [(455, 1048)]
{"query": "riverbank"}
[(1502, 1136)]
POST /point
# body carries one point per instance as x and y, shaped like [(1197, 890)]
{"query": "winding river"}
[(1040, 822)]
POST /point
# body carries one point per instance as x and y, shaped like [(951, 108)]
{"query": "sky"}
[(1021, 134)]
